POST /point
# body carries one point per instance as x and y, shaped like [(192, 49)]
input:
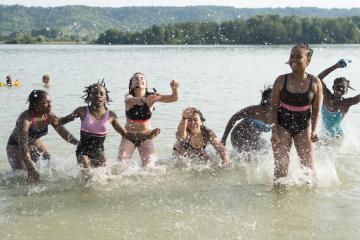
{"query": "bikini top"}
[(290, 99), (38, 132), (139, 112), (185, 144), (95, 126)]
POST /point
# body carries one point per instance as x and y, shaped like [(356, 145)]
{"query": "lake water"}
[(193, 203)]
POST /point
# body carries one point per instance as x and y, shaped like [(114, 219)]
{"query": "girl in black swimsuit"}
[(296, 102), (193, 137)]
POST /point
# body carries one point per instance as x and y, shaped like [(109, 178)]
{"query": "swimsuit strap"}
[(311, 81), (33, 118)]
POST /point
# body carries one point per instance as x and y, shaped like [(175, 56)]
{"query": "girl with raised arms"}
[(139, 106)]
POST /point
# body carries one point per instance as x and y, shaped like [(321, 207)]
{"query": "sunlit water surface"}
[(195, 202)]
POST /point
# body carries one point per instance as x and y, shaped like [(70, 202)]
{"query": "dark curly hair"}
[(88, 90), (35, 97), (265, 94)]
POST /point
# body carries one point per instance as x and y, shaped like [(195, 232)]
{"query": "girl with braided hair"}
[(336, 105), (95, 120)]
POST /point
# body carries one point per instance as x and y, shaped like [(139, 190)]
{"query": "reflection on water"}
[(195, 201)]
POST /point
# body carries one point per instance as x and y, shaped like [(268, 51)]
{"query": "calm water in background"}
[(193, 203)]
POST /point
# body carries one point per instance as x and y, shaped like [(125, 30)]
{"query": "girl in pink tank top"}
[(95, 120)]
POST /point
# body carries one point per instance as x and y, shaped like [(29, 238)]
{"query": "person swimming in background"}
[(335, 104), (193, 137), (139, 105), (95, 120), (9, 80), (25, 145), (46, 80), (256, 119), (296, 102)]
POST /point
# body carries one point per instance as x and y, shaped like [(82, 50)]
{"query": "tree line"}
[(264, 29)]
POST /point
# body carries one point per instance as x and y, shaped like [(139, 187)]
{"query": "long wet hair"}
[(88, 89), (35, 97), (265, 94), (147, 92), (306, 47)]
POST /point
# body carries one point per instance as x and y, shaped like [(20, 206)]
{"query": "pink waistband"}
[(295, 108), (138, 121)]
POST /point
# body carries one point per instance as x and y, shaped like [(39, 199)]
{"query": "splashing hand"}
[(174, 84), (33, 176), (343, 62)]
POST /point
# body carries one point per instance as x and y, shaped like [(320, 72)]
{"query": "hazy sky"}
[(235, 3)]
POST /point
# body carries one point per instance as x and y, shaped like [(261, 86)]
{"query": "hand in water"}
[(275, 138), (227, 164), (33, 176), (314, 137), (343, 62)]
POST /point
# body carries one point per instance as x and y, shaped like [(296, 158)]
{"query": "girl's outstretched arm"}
[(24, 150), (61, 130), (236, 117), (220, 149), (340, 64), (174, 84), (79, 112)]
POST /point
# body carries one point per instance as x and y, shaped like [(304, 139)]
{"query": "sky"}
[(234, 3)]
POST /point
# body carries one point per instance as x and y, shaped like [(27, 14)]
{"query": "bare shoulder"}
[(316, 84), (112, 114), (279, 82), (25, 116)]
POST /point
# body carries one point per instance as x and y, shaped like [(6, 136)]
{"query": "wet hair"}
[(9, 79), (88, 89), (265, 94), (306, 47), (35, 97), (131, 91), (200, 114), (46, 76), (341, 81)]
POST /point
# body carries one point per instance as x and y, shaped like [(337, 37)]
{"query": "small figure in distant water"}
[(46, 80), (193, 137), (335, 104), (139, 105), (95, 120), (246, 135), (25, 143), (9, 80)]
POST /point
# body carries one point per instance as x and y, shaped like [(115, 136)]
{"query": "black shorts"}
[(294, 122), (92, 147)]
